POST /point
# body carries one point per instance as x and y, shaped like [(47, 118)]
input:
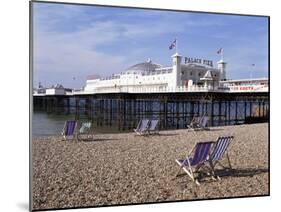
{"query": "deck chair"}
[(203, 124), (194, 122), (69, 130), (153, 127), (192, 165), (85, 130), (142, 127), (220, 149)]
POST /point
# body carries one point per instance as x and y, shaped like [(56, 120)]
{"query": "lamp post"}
[(251, 72)]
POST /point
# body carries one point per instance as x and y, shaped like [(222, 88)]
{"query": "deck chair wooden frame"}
[(192, 164), (194, 123)]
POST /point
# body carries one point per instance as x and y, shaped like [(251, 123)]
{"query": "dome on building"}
[(147, 66)]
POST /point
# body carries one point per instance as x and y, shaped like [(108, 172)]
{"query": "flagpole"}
[(222, 54), (176, 45)]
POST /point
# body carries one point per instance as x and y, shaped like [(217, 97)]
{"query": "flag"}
[(173, 44), (220, 51)]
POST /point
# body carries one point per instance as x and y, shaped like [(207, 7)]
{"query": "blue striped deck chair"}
[(69, 129), (192, 164), (203, 124), (220, 149), (153, 127), (85, 130), (142, 127)]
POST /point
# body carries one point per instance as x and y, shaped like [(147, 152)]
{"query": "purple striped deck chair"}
[(203, 124), (192, 164), (69, 129), (142, 127), (153, 127), (220, 149)]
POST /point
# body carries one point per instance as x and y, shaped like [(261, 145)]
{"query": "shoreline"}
[(123, 168), (55, 136)]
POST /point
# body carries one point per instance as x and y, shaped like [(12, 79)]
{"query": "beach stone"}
[(124, 168)]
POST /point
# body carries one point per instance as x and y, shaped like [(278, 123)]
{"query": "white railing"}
[(228, 89), (222, 89), (149, 90)]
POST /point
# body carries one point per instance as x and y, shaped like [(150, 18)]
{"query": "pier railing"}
[(221, 89), (180, 89)]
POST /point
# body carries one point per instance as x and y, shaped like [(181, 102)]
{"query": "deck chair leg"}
[(189, 173), (214, 177), (230, 167)]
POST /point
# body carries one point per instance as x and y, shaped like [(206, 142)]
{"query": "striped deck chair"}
[(194, 122), (192, 165), (203, 124), (142, 127), (153, 127), (69, 129), (85, 129), (220, 149)]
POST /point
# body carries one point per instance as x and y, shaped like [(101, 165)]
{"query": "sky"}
[(71, 42)]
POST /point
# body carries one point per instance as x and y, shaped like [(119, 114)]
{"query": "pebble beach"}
[(126, 168)]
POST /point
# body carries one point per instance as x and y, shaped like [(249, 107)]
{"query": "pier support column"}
[(236, 112), (219, 113), (77, 108), (229, 112), (165, 113), (251, 105), (212, 113)]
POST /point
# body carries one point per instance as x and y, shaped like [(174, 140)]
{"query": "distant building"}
[(190, 72), (53, 90)]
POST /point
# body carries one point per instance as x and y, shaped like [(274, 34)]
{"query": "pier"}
[(122, 111)]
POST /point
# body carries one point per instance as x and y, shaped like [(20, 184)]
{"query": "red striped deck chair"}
[(220, 149), (192, 164), (69, 130)]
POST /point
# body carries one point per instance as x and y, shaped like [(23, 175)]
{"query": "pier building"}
[(183, 72)]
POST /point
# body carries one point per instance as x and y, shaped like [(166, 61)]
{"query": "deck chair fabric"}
[(191, 165), (153, 127), (85, 129), (204, 122), (69, 129), (220, 149), (142, 127)]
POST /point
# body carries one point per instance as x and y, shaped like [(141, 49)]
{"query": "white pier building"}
[(184, 74)]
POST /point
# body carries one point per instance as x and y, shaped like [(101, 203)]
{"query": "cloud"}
[(76, 41)]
